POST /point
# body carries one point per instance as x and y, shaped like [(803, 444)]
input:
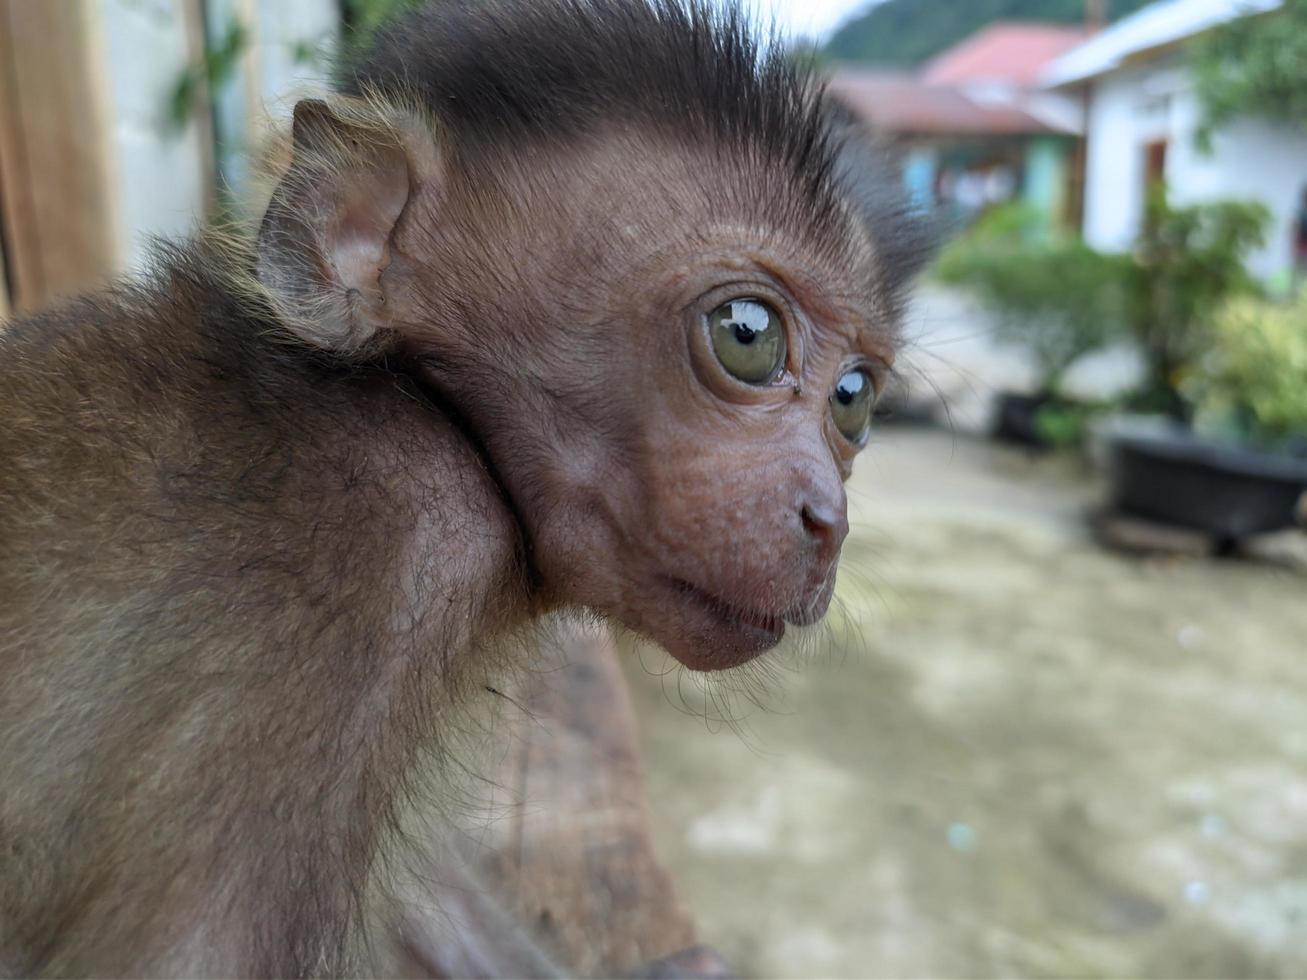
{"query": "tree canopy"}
[(1255, 65), (908, 32)]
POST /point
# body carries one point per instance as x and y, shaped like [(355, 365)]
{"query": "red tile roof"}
[(904, 105), (1005, 51)]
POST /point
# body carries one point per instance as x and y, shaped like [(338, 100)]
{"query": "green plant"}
[(1187, 262), (363, 17), (907, 32), (222, 54), (211, 72), (1254, 65), (1065, 425), (1254, 381), (1057, 298), (1005, 227)]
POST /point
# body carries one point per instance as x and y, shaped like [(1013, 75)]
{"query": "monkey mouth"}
[(738, 633), (807, 615), (729, 612), (729, 634)]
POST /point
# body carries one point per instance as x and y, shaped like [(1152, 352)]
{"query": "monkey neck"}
[(452, 401), (543, 456)]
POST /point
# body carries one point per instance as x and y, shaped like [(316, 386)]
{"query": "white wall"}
[(1114, 162), (272, 76), (1251, 159), (161, 176), (282, 28)]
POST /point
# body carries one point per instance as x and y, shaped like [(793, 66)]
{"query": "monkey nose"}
[(827, 524)]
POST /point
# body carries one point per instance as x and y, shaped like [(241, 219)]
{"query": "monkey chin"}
[(708, 633)]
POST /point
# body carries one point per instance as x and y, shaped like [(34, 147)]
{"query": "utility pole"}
[(1095, 15)]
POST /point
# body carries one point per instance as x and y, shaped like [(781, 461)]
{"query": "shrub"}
[(1060, 299), (1057, 298), (1254, 381), (1254, 66), (1188, 261)]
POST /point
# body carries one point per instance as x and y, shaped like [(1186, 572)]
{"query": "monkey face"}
[(722, 515), (668, 364), (693, 435), (653, 275)]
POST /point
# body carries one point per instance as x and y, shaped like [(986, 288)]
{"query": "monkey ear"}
[(326, 236)]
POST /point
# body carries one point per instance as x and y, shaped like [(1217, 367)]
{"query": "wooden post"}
[(570, 853), (55, 197), (1095, 15), (202, 103), (577, 856), (4, 277)]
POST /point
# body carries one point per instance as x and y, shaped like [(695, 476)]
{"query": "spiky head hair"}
[(507, 69), (502, 73)]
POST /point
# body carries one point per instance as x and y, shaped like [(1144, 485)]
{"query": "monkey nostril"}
[(828, 525)]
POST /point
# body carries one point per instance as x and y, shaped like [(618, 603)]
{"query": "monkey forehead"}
[(664, 178), (631, 201)]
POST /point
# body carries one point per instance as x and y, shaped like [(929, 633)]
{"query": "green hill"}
[(907, 32)]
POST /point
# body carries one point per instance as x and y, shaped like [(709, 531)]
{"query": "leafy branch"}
[(211, 73), (1255, 65)]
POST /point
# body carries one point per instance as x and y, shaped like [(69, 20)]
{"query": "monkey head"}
[(635, 255)]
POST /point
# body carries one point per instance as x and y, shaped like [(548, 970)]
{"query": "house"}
[(1141, 120), (972, 126)]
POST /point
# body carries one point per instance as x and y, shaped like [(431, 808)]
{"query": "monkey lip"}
[(767, 627), (806, 616)]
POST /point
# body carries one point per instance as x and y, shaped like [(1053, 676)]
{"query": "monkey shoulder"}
[(155, 443)]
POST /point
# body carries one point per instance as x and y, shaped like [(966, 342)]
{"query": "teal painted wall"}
[(920, 165), (1045, 178)]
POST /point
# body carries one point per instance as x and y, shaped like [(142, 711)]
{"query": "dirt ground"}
[(1010, 753)]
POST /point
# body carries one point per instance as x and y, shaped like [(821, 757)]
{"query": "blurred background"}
[(1057, 723)]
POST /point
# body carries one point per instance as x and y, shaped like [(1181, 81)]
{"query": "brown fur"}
[(234, 578), (270, 519)]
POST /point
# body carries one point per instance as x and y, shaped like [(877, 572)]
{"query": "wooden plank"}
[(54, 181), (1136, 535), (568, 856), (577, 857), (202, 104), (4, 277)]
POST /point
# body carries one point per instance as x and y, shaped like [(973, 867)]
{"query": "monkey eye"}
[(748, 338), (851, 405)]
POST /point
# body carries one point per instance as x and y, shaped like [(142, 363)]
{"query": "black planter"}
[(1167, 474), (1015, 419)]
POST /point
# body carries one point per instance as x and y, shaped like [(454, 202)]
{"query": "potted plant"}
[(1240, 468), (1055, 297), (1187, 262)]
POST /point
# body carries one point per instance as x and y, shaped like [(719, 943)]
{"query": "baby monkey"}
[(558, 305)]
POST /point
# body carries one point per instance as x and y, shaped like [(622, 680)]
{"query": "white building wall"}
[(1114, 163), (1251, 159), (287, 32), (290, 47), (161, 175)]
